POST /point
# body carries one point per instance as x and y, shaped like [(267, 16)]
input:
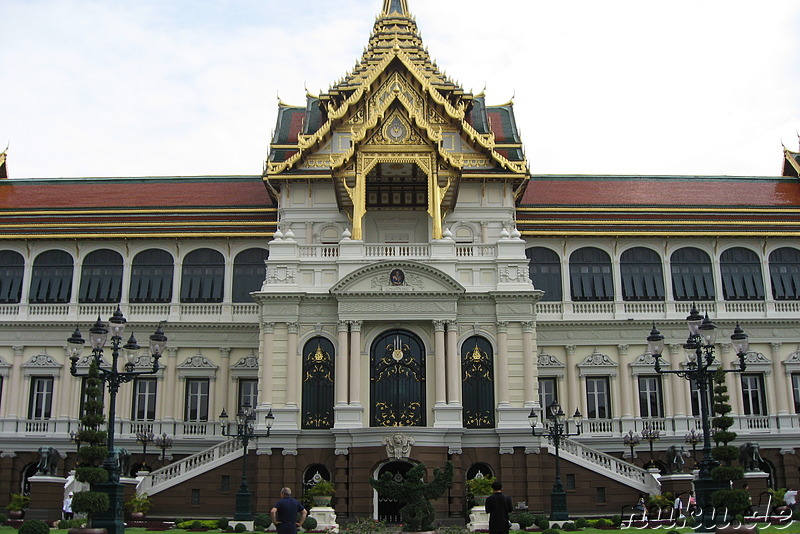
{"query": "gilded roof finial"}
[(399, 7)]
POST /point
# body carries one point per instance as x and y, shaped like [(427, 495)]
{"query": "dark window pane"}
[(590, 275), (477, 383), (51, 279), (642, 277), (202, 276), (740, 269), (318, 383), (12, 269), (101, 277), (151, 276), (544, 269), (691, 275), (784, 271), (249, 272)]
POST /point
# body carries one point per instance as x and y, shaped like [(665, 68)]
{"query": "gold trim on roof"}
[(663, 209), (792, 158), (650, 222), (159, 211), (557, 233)]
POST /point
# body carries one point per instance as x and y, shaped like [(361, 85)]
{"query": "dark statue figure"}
[(749, 456), (417, 513), (48, 461), (675, 461), (124, 459)]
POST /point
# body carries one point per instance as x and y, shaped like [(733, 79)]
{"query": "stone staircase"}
[(192, 466), (609, 466)]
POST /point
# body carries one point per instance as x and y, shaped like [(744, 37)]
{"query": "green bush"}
[(66, 524), (34, 526), (525, 519), (569, 526), (196, 524), (310, 523), (616, 520), (240, 527), (603, 523), (3, 518), (222, 523), (262, 520), (674, 531), (543, 523), (550, 531), (581, 522), (91, 475), (90, 502)]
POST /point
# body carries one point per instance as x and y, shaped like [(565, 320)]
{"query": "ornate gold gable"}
[(395, 113)]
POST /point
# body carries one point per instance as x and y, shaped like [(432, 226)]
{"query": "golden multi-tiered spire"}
[(395, 6)]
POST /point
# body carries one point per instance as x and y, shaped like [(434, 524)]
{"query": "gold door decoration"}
[(398, 380), (318, 384)]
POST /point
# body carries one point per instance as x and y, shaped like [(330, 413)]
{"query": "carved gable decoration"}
[(197, 366), (42, 364), (756, 362), (644, 364), (598, 364), (144, 362), (549, 365), (86, 360), (792, 362), (246, 367), (398, 279), (5, 367)]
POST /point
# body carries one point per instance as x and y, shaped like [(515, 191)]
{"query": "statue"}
[(398, 446), (749, 456), (48, 461), (123, 461), (417, 512), (675, 461)]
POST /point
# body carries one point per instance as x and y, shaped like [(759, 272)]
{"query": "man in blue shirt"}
[(285, 513)]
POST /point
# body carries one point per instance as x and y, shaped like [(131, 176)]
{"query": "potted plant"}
[(138, 506), (322, 492), (91, 453), (777, 504), (659, 506), (417, 513), (17, 505), (480, 487)]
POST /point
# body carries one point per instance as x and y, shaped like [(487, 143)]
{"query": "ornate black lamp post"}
[(700, 368), (651, 435), (631, 440), (144, 438), (693, 438), (556, 428), (245, 431), (112, 519), (163, 442)]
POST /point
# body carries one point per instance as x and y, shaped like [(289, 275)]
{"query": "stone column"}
[(678, 385), (292, 381), (355, 362), (440, 366), (267, 359), (782, 398), (453, 364), (170, 381), (501, 378), (628, 392), (66, 391), (572, 380), (732, 380), (15, 380), (530, 370), (342, 372), (224, 391)]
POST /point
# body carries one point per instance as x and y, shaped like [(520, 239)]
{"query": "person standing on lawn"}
[(498, 506)]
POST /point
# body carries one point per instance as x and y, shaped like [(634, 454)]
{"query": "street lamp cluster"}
[(556, 428), (245, 431), (163, 442), (113, 377), (699, 368)]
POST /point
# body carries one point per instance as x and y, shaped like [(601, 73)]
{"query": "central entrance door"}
[(389, 509), (397, 380)]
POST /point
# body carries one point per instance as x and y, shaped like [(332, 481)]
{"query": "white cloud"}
[(117, 88)]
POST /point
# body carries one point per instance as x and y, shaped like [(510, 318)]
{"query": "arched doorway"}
[(397, 380), (389, 509)]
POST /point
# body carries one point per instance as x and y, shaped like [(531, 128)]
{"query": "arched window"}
[(202, 277), (101, 277), (784, 273), (642, 275), (477, 383), (51, 278), (692, 276), (544, 270), (318, 383), (313, 474), (590, 275), (151, 276), (12, 269), (741, 274), (397, 380), (249, 272)]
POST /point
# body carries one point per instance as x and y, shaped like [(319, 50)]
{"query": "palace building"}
[(397, 288)]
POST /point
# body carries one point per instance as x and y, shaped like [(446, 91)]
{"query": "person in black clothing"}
[(288, 514), (498, 506)]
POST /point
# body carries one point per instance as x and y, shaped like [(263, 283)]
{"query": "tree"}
[(92, 450), (734, 501), (417, 513)]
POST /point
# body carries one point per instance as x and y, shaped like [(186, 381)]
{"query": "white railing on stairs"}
[(611, 466), (193, 465)]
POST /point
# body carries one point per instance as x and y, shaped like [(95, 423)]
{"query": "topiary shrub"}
[(222, 523), (34, 526), (673, 531), (550, 531), (542, 522), (262, 520), (524, 519), (569, 526), (196, 525), (603, 523), (310, 523), (3, 518), (240, 527), (66, 524), (581, 522), (616, 520)]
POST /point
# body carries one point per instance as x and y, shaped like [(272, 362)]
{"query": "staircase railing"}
[(193, 465), (611, 466)]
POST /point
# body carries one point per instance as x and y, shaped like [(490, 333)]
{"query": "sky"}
[(190, 87)]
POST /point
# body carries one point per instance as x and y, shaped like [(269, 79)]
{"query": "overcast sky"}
[(190, 87)]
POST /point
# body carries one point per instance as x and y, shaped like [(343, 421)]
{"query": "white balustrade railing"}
[(601, 462), (397, 251), (193, 465)]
